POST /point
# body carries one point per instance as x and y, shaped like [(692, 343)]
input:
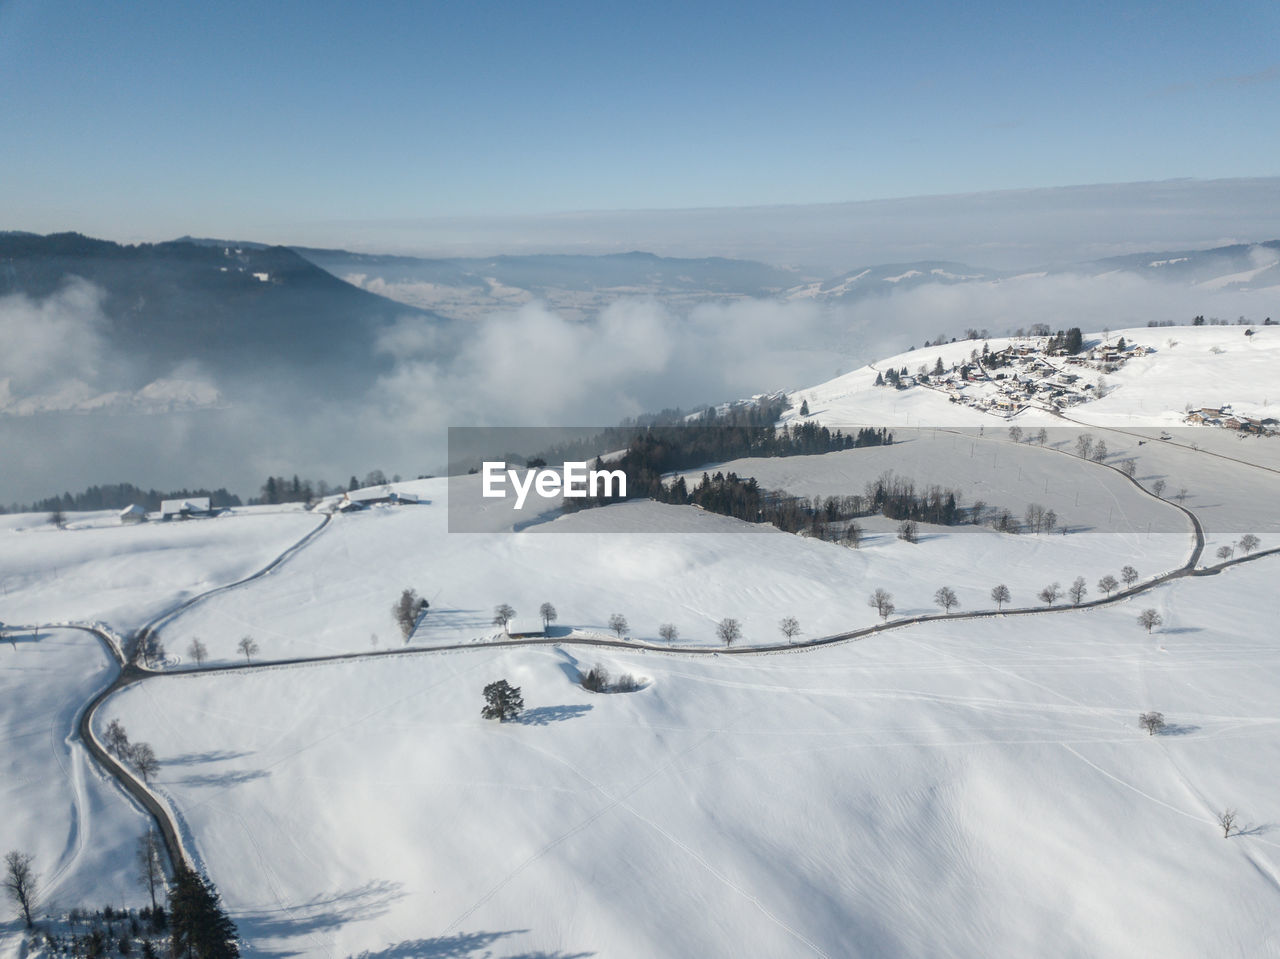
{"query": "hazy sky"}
[(310, 121)]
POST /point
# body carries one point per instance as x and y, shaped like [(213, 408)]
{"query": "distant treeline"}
[(890, 495), (120, 495), (711, 438)]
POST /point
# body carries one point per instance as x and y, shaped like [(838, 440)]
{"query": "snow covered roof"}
[(196, 504)]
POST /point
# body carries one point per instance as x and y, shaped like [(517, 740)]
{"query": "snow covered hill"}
[(960, 788)]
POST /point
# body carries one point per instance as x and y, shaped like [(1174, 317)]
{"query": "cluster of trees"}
[(138, 755), (279, 489), (598, 680), (120, 495), (1070, 341), (197, 925)]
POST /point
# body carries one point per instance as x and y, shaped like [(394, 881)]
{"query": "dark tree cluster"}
[(199, 927), (1069, 342), (120, 495), (896, 497)]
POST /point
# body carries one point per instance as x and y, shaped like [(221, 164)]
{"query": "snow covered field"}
[(98, 570), (692, 569), (970, 789), (973, 788), (54, 801)]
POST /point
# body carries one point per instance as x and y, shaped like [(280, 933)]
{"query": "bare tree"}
[(117, 739), (908, 531), (150, 865), (1129, 575), (1015, 433), (1226, 819), (144, 761), (197, 651), (1152, 722), (1049, 595), (249, 646), (1108, 584), (407, 610), (1077, 590), (1181, 495), (729, 631), (618, 623), (1000, 595), (1149, 619), (1084, 445), (503, 614), (58, 519), (882, 601), (1050, 521), (1226, 552), (20, 880), (853, 535), (1158, 488), (668, 632), (548, 614), (1100, 452), (1248, 543), (790, 627), (1042, 436), (946, 598), (1129, 467)]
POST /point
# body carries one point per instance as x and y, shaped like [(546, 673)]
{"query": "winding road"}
[(131, 673)]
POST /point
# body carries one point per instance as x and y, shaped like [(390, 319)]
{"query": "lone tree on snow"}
[(1077, 590), (20, 881), (1152, 722), (882, 602), (1049, 595), (1129, 575), (946, 598), (502, 701), (668, 632), (1149, 619), (1248, 543), (197, 651), (618, 623), (1226, 819), (407, 610), (150, 865), (790, 627), (249, 646), (503, 615), (1108, 584), (144, 760), (1226, 552), (1000, 596), (548, 614), (729, 631), (117, 739)]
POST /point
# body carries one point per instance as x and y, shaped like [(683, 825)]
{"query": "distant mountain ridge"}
[(579, 284), (236, 308)]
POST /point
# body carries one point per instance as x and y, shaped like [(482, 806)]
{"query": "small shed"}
[(133, 513)]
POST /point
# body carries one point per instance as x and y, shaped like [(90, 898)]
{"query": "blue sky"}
[(284, 121)]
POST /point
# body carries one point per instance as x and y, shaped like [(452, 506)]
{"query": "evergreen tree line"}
[(120, 495), (1072, 341), (662, 450)]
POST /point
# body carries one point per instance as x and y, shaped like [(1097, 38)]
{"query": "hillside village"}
[(1050, 373)]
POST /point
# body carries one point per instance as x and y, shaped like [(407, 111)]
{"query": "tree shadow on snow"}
[(1255, 830), (320, 915), (209, 756), (231, 778), (1179, 729), (545, 715), (461, 946), (468, 620), (1183, 629)]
